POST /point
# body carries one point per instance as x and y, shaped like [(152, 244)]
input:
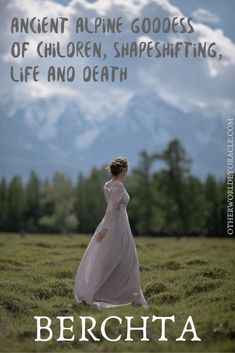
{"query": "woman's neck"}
[(116, 178)]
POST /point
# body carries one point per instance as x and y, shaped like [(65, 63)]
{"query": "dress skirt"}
[(109, 270)]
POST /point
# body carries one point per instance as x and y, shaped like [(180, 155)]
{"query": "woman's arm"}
[(113, 205)]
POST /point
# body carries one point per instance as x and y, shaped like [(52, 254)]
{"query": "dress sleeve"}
[(113, 205)]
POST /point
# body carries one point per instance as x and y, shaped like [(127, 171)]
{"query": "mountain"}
[(48, 136)]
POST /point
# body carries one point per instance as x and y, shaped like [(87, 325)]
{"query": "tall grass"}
[(190, 276)]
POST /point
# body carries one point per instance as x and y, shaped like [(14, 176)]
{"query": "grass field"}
[(190, 276)]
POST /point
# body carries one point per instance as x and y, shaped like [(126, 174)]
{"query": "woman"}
[(108, 274)]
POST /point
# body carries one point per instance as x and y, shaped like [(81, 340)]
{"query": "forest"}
[(169, 201)]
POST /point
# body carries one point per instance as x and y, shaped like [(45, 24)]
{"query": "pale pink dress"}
[(108, 274)]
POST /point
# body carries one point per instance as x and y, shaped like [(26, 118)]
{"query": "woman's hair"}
[(117, 166)]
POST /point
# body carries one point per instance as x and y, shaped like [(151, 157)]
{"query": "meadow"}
[(181, 277)]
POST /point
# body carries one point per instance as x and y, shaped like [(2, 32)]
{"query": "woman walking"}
[(108, 274)]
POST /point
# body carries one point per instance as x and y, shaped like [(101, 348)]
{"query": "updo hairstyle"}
[(117, 166)]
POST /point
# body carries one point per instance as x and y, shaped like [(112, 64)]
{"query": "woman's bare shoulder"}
[(110, 183)]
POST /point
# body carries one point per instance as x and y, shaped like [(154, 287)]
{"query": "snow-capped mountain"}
[(47, 136)]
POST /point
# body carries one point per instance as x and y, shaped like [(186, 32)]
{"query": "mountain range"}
[(32, 138)]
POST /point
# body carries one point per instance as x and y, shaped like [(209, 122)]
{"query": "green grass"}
[(190, 276)]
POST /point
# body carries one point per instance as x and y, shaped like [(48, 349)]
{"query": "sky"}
[(204, 87)]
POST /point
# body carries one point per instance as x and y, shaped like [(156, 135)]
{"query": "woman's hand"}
[(99, 236)]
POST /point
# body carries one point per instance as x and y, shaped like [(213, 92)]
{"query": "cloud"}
[(204, 85), (203, 15)]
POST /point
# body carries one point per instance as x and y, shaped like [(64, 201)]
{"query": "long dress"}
[(108, 274)]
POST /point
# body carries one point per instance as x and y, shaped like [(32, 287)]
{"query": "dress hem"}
[(102, 303)]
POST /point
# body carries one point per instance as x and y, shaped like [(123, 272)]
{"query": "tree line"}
[(169, 201)]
